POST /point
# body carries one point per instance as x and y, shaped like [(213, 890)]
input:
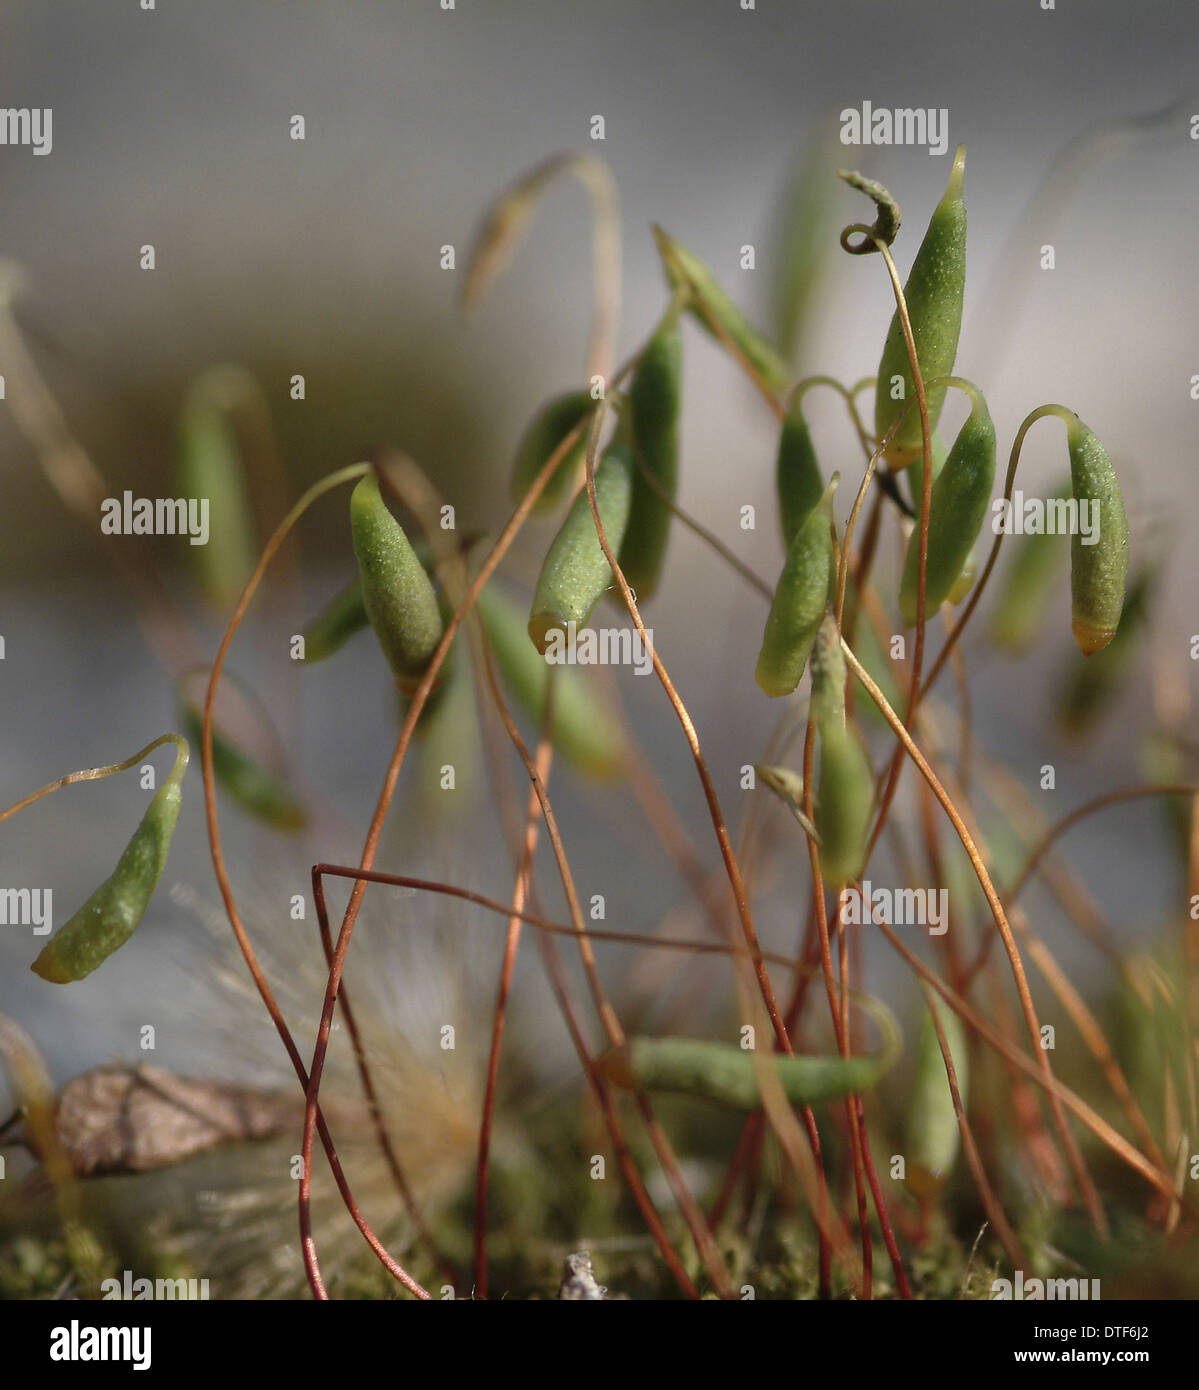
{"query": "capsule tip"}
[(49, 968), (957, 174), (671, 254), (1091, 639), (541, 625), (770, 683), (901, 456), (924, 1182)]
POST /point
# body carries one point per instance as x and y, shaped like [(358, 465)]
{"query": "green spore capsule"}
[(726, 1074), (1097, 571), (1019, 614), (452, 761), (345, 615), (255, 790), (933, 1136), (109, 917), (655, 394), (844, 800), (396, 591), (549, 427), (934, 294), (829, 674), (807, 235), (845, 784), (915, 472), (800, 599), (336, 624), (870, 652), (797, 479), (958, 505), (583, 730), (1093, 681), (965, 581), (710, 305), (211, 471), (576, 573)]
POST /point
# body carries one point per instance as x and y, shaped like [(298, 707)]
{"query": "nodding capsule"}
[(797, 479), (212, 469), (1023, 602), (545, 432), (958, 503), (396, 592), (934, 294), (1098, 571), (655, 395), (575, 574), (800, 600), (727, 1074), (583, 731), (932, 1124), (709, 306), (109, 917)]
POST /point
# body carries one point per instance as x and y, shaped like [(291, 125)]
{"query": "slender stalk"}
[(1086, 1187)]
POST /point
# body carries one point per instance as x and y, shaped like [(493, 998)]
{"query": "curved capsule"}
[(845, 784), (109, 917), (583, 729), (829, 675), (797, 479), (933, 1135), (915, 472), (254, 789), (709, 304), (548, 428), (844, 801), (958, 505), (800, 600), (725, 1073), (396, 591), (1097, 571), (211, 470), (965, 581), (806, 235), (452, 763), (1019, 612), (345, 615), (871, 653), (654, 399), (934, 293), (576, 573), (336, 624)]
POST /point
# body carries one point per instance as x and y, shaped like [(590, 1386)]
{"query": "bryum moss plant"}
[(980, 1132)]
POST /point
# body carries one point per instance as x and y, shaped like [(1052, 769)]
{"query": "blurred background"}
[(322, 257)]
